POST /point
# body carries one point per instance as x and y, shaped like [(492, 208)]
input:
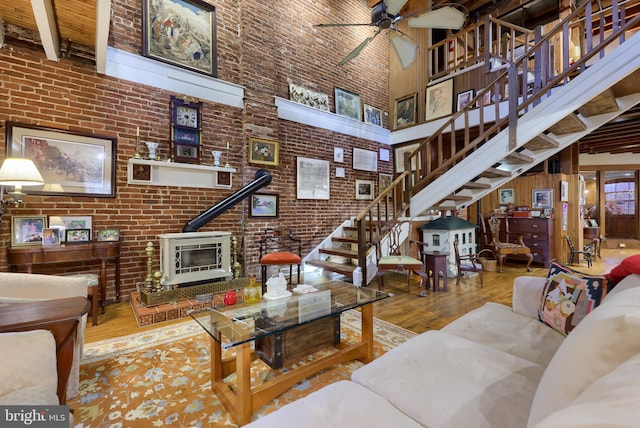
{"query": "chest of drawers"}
[(537, 234)]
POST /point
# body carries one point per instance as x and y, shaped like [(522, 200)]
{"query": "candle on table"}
[(137, 131)]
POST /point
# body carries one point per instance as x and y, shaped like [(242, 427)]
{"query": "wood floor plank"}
[(405, 309)]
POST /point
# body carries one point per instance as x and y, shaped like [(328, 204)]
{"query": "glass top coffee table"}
[(238, 325)]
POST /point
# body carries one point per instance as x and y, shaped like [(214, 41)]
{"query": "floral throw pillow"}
[(568, 297)]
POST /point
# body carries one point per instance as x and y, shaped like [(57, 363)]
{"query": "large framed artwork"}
[(312, 179), (365, 160), (406, 111), (180, 32), (307, 97), (439, 100), (398, 156), (78, 164), (347, 104)]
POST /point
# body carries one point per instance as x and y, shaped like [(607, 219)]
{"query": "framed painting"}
[(27, 230), (439, 100), (564, 191), (398, 156), (372, 115), (264, 205), (384, 181), (506, 196), (312, 179), (63, 223), (347, 104), (181, 33), (72, 164), (308, 97), (364, 189), (463, 99), (542, 198), (406, 111), (365, 160), (265, 152)]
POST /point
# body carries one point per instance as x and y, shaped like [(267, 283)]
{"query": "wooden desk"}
[(60, 317), (26, 257), (593, 233)]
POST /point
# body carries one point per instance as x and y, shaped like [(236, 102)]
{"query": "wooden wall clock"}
[(186, 129)]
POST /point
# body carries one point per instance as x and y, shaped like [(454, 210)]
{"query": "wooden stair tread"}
[(542, 142), (344, 252), (495, 173), (474, 185), (343, 269), (517, 157), (568, 125), (600, 104), (457, 198), (348, 239)]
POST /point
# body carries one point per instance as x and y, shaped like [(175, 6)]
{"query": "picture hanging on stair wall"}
[(439, 100)]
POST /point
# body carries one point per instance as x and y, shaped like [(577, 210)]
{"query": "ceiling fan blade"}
[(394, 6), (354, 53), (343, 25), (448, 18), (405, 50)]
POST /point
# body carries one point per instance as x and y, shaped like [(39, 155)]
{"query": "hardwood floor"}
[(405, 309)]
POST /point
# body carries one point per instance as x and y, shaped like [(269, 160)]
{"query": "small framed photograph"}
[(70, 222), (264, 205), (463, 99), (506, 196), (27, 230), (564, 191), (439, 100), (265, 152), (338, 154), (347, 104), (384, 181), (406, 111), (50, 236), (106, 235), (542, 198), (364, 189), (77, 236), (385, 155), (372, 115)]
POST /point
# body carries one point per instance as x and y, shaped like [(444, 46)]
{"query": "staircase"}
[(546, 112)]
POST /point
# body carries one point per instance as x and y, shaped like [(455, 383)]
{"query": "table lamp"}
[(17, 172)]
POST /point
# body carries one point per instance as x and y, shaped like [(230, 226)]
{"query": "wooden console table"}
[(28, 256), (60, 317)]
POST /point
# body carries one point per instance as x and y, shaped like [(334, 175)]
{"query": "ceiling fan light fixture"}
[(405, 51), (448, 18)]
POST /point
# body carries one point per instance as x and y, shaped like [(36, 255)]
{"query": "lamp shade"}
[(19, 172)]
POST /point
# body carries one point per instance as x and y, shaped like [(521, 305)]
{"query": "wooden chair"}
[(279, 247), (467, 263), (393, 250), (587, 253), (491, 231)]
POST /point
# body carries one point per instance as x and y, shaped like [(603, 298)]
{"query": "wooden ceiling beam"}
[(103, 19), (46, 22)]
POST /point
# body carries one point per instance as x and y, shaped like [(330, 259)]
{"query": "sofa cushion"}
[(29, 359), (497, 326), (568, 296), (612, 400), (31, 395), (340, 404), (607, 337), (628, 266), (441, 380)]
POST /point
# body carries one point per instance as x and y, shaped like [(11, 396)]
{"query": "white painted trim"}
[(609, 159), (45, 20), (296, 112), (103, 19), (146, 71)]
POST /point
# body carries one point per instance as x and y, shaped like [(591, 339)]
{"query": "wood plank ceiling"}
[(80, 28)]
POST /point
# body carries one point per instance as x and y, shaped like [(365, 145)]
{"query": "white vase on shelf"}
[(153, 147), (216, 157)]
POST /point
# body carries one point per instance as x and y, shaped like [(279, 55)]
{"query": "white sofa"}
[(22, 287), (495, 367)]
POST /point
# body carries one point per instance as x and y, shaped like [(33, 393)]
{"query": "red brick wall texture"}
[(262, 46)]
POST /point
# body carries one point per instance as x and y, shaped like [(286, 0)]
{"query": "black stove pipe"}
[(262, 178)]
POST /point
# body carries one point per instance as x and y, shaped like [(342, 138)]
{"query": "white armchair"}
[(22, 288)]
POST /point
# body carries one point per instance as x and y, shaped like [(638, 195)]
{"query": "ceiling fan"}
[(385, 15)]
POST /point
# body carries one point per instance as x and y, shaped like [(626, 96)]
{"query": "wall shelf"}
[(158, 173)]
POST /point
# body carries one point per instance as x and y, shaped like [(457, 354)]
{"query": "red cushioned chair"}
[(279, 247)]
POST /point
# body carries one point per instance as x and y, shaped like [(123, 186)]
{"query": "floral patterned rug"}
[(162, 377)]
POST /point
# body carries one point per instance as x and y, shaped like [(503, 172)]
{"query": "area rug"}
[(162, 377)]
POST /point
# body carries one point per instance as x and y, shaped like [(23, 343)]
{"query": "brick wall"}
[(263, 46)]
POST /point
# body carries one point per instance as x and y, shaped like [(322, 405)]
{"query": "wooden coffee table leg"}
[(367, 331), (243, 376)]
